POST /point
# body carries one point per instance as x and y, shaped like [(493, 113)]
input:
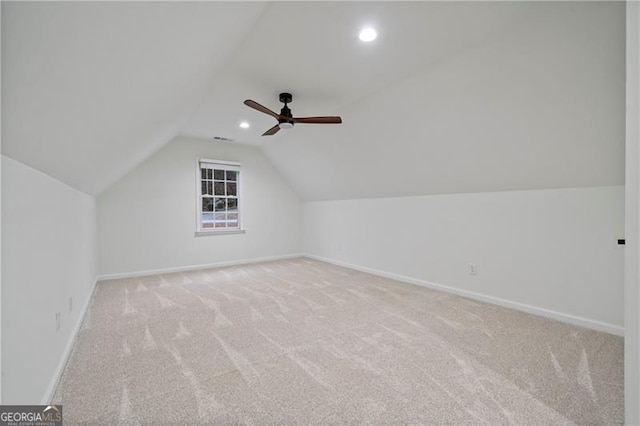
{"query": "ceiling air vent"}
[(221, 138)]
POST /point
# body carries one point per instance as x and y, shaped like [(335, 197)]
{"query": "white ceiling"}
[(451, 97), (312, 50), (90, 89)]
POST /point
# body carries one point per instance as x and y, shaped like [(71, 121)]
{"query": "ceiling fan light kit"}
[(286, 120)]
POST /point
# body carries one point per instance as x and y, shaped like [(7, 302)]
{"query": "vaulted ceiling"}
[(90, 89), (451, 97)]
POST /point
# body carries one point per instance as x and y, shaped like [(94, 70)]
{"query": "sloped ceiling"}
[(90, 89), (541, 105), (451, 97)]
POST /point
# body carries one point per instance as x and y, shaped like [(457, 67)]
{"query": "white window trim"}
[(228, 165)]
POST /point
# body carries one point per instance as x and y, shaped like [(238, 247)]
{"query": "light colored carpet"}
[(304, 342)]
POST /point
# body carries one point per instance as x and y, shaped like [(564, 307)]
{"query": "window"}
[(218, 196)]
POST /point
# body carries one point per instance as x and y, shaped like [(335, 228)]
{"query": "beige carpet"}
[(305, 342)]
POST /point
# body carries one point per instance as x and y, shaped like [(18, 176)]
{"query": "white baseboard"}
[(53, 384), (568, 318), (194, 267)]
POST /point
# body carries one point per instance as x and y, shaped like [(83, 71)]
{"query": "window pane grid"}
[(219, 198)]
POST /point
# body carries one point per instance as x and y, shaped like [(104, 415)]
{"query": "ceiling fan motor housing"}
[(285, 120), (286, 112)]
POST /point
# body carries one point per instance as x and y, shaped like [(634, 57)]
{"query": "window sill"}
[(219, 232)]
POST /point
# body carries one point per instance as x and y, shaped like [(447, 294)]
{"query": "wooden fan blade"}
[(272, 130), (261, 108), (317, 120)]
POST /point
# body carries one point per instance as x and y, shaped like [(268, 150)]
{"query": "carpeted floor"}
[(304, 342)]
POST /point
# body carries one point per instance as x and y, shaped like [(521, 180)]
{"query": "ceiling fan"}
[(285, 119)]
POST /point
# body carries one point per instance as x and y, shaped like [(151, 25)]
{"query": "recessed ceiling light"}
[(368, 34), (244, 125)]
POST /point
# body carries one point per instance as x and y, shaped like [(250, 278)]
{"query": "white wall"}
[(48, 256), (147, 220), (553, 250), (1, 371), (632, 233)]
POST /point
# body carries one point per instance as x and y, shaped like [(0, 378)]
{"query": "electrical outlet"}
[(70, 304), (57, 321), (473, 269)]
